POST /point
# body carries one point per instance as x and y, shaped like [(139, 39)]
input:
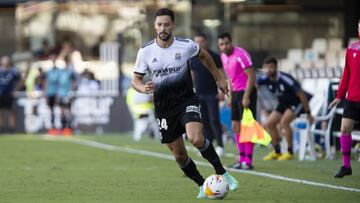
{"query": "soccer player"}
[(206, 89), (349, 88), (9, 83), (176, 105), (290, 96), (51, 86), (66, 83), (240, 70)]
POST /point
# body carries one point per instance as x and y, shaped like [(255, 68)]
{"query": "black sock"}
[(68, 119), (290, 150), (277, 149), (63, 121), (190, 170), (209, 153)]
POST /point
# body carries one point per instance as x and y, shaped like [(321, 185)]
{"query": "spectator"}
[(87, 83), (9, 83), (142, 111), (40, 80), (66, 84), (207, 91), (51, 85), (292, 101), (45, 51)]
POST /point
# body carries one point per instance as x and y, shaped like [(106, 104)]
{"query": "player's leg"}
[(347, 126), (236, 114), (51, 100), (214, 120), (11, 114), (271, 127), (1, 120), (286, 119), (350, 116), (196, 138), (186, 164), (206, 148), (235, 126), (67, 131), (249, 146), (205, 117)]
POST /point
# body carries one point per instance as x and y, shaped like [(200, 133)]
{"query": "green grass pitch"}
[(33, 169)]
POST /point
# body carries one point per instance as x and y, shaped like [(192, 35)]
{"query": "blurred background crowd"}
[(93, 46)]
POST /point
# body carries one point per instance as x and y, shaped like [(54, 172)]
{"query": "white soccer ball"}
[(216, 187)]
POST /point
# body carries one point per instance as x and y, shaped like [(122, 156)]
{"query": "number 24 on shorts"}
[(162, 124)]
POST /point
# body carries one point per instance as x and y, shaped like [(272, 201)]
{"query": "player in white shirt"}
[(177, 107)]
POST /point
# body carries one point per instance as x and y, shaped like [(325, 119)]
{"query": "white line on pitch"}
[(169, 157)]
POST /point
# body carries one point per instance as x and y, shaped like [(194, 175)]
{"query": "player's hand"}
[(223, 86), (149, 87), (335, 102), (220, 96), (245, 102), (310, 118)]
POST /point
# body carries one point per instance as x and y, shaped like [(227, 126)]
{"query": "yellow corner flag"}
[(252, 131)]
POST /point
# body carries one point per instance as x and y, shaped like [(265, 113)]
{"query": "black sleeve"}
[(217, 59)]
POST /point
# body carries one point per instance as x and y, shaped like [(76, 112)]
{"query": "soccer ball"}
[(216, 187)]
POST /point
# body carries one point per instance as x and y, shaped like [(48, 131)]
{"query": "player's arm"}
[(139, 72), (140, 86), (250, 73), (209, 63), (343, 87), (305, 102)]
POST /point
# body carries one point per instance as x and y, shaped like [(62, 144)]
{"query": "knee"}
[(235, 128), (270, 125), (181, 158), (284, 124), (197, 140), (345, 129)]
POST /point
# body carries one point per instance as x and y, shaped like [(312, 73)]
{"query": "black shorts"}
[(6, 102), (237, 107), (51, 101), (296, 107), (352, 110), (172, 123), (65, 102)]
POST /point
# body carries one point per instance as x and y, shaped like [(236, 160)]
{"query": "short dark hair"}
[(200, 34), (224, 35), (165, 12), (271, 59)]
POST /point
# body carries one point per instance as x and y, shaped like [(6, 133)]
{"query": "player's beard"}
[(165, 36), (229, 51), (273, 75)]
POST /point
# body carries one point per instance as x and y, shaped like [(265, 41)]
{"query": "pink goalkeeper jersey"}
[(234, 65)]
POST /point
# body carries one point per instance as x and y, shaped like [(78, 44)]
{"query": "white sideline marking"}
[(169, 157)]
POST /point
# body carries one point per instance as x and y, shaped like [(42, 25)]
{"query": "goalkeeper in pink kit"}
[(239, 68)]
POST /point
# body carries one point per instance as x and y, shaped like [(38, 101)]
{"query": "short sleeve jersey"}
[(52, 78), (65, 82), (234, 66), (169, 70), (285, 87), (8, 80)]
